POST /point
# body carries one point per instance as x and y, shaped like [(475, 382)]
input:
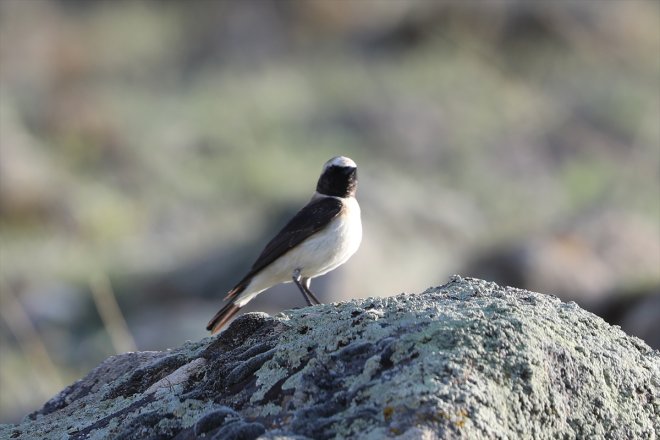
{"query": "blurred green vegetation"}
[(160, 143)]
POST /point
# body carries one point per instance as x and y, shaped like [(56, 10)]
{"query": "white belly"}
[(318, 255)]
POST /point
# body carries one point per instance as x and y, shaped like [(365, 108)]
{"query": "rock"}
[(469, 359), (608, 261)]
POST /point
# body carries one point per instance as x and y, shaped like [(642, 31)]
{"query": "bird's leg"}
[(305, 283), (296, 279)]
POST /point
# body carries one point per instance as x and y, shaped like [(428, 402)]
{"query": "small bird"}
[(319, 238)]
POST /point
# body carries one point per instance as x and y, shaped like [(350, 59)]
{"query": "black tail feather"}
[(222, 317)]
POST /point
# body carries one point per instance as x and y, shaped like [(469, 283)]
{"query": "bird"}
[(320, 237)]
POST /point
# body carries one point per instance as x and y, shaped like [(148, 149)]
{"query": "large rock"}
[(469, 359)]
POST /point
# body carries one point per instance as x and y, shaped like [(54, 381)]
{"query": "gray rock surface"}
[(469, 359)]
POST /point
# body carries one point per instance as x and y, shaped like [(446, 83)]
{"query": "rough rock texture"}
[(466, 360)]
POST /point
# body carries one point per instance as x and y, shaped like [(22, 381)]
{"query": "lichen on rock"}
[(469, 359)]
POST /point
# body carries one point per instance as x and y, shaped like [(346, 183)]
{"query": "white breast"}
[(333, 246)]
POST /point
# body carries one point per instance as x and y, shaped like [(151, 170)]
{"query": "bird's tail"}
[(222, 317), (229, 310)]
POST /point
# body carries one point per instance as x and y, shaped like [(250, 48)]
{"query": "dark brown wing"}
[(308, 221)]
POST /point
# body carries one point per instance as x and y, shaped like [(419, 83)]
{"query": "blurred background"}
[(149, 150)]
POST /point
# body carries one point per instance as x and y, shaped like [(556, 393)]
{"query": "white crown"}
[(340, 161)]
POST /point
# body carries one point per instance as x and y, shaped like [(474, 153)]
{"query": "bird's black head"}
[(339, 178)]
